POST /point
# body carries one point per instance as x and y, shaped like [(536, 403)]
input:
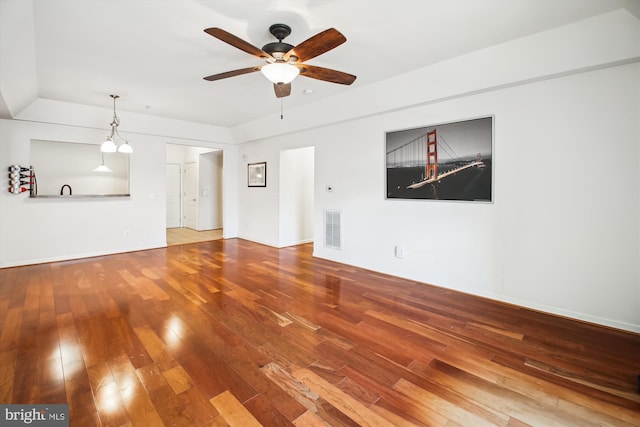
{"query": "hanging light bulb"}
[(111, 145)]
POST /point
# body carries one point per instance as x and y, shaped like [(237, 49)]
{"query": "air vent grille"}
[(333, 229)]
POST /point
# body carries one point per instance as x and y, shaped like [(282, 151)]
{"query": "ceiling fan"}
[(284, 61)]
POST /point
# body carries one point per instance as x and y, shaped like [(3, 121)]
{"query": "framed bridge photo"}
[(449, 161), (257, 174)]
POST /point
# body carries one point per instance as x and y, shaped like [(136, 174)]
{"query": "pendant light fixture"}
[(115, 142), (102, 167)]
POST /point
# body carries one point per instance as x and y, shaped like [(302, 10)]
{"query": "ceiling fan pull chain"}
[(281, 108)]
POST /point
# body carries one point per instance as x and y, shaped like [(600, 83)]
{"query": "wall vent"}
[(333, 229)]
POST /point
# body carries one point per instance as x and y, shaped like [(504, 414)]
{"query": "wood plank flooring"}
[(183, 235), (230, 332)]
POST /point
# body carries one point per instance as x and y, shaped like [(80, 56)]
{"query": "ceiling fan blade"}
[(326, 74), (233, 73), (282, 89), (237, 42), (317, 45)]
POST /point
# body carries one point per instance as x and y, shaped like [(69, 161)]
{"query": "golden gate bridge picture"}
[(450, 161)]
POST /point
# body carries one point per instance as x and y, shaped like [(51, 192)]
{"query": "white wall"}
[(563, 232), (258, 220), (40, 230), (175, 154), (210, 197), (296, 196)]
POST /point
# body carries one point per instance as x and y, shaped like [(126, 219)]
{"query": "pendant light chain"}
[(110, 146), (116, 122)]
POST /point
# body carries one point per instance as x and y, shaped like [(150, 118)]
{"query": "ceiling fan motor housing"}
[(278, 49), (280, 31)]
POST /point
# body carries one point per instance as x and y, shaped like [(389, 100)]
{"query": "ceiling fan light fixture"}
[(280, 72)]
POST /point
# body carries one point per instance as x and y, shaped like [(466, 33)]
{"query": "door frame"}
[(184, 193), (180, 195)]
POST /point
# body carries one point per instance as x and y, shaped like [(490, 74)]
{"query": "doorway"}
[(193, 194)]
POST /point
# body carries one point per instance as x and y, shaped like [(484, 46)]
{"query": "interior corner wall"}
[(563, 232)]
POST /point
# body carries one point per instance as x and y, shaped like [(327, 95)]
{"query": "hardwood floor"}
[(182, 235), (230, 332)]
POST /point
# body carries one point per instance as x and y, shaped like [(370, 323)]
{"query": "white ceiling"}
[(154, 54)]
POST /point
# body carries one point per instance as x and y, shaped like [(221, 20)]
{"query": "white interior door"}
[(173, 195), (190, 183)]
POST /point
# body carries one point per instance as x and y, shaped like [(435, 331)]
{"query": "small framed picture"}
[(257, 174)]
